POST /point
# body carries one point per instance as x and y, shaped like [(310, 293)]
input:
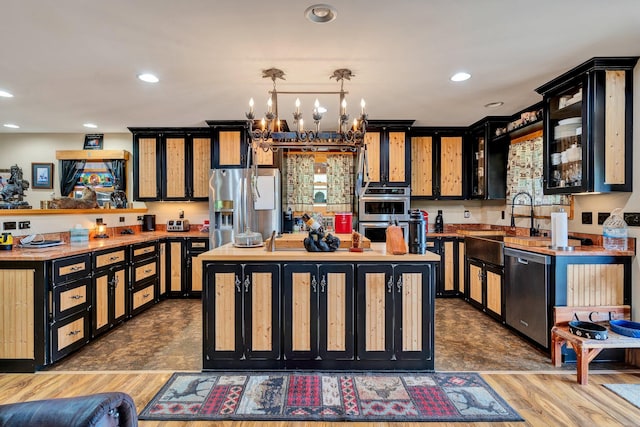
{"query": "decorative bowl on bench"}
[(625, 327), (588, 330)]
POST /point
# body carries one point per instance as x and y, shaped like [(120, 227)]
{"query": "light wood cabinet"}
[(437, 166), (182, 278), (318, 311), (243, 316), (171, 163), (144, 268), (485, 284), (388, 152), (110, 289), (588, 122), (394, 312)]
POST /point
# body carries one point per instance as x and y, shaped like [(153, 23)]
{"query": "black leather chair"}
[(98, 410)]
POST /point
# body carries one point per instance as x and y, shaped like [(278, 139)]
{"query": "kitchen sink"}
[(489, 249)]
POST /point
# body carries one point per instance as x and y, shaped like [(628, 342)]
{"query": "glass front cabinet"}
[(588, 127)]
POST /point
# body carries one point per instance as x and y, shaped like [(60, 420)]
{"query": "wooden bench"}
[(587, 349)]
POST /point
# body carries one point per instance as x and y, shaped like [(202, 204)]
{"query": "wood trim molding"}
[(92, 155)]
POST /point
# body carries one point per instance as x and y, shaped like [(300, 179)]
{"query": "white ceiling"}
[(68, 62)]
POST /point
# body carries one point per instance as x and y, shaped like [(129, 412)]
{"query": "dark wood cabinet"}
[(242, 320), (318, 311), (486, 159), (171, 163), (588, 125), (180, 252), (110, 289), (437, 166), (485, 287), (387, 150), (395, 315)]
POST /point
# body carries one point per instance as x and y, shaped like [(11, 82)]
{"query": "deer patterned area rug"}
[(328, 396)]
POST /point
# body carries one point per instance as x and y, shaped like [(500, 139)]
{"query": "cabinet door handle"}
[(480, 275), (246, 284), (390, 285), (237, 284), (314, 284), (399, 284), (323, 283)]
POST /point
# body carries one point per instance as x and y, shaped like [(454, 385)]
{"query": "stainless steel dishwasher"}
[(527, 293)]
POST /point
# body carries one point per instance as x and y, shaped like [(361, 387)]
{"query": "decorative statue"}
[(118, 197), (12, 192), (89, 200)]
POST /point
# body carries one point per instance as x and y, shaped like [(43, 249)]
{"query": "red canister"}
[(425, 215), (343, 222)]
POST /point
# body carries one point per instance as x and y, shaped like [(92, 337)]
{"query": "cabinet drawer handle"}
[(238, 283), (76, 268), (75, 296), (390, 285), (314, 284), (114, 258), (147, 250), (399, 284), (72, 333), (148, 270), (323, 283), (145, 296)]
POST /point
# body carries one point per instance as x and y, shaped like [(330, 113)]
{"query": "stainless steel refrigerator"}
[(230, 190)]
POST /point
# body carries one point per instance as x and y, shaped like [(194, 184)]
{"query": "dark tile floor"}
[(168, 337)]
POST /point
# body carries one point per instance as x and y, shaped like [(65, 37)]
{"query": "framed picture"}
[(42, 175), (93, 141)]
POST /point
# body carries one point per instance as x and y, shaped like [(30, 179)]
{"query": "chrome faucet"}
[(532, 231)]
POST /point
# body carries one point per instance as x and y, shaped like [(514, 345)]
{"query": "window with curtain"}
[(340, 182), (299, 182)]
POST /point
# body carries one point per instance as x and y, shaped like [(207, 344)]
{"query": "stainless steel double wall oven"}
[(379, 207)]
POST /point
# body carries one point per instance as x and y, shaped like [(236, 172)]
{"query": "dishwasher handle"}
[(523, 261)]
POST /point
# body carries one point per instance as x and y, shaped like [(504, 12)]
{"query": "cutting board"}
[(535, 241), (295, 241), (482, 232)]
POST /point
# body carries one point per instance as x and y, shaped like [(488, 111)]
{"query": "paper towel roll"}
[(559, 230)]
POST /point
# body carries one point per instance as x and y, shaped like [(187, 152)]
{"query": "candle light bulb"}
[(362, 104), (297, 105), (251, 105), (344, 104), (301, 125), (355, 124), (316, 104), (278, 125), (262, 123), (269, 104)]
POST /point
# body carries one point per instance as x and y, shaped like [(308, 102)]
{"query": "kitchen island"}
[(292, 309)]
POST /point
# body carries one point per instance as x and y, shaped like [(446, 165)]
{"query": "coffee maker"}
[(148, 222)]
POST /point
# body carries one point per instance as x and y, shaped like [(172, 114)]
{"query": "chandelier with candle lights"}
[(270, 133)]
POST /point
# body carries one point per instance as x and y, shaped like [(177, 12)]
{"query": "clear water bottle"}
[(614, 231)]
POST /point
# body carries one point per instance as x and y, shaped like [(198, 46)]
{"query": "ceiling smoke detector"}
[(321, 13)]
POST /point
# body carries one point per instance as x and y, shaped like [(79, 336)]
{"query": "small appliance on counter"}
[(6, 241), (178, 225), (148, 222)]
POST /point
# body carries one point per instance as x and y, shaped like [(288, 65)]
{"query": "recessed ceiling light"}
[(149, 78), (11, 125), (90, 125), (460, 77), (321, 13), (5, 94), (495, 104)]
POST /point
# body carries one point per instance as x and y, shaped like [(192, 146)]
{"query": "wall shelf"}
[(28, 212)]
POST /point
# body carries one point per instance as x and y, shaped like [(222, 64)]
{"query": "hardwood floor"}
[(542, 394)]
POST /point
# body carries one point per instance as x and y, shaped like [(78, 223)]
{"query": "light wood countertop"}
[(377, 252)]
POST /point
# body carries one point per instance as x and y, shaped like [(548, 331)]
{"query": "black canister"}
[(438, 227), (417, 233)]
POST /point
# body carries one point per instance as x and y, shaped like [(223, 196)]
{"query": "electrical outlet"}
[(23, 225), (502, 215), (467, 214), (632, 219), (121, 219), (10, 225), (181, 213), (139, 217), (587, 217), (98, 220), (602, 216)]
